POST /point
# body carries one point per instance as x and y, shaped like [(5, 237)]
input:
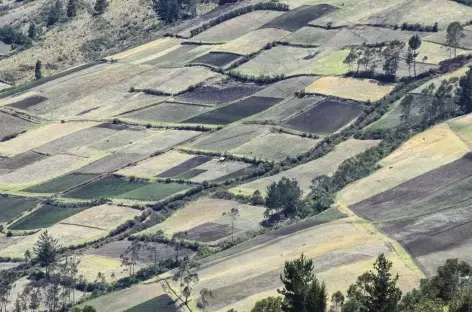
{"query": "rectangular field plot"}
[(166, 112), (440, 38), (44, 217), (154, 191), (287, 87), (325, 117), (162, 141), (120, 139), (237, 27), (72, 142), (154, 166), (40, 136), (173, 80), (311, 36), (219, 93), (288, 108), (42, 170), (229, 138), (216, 169), (11, 125), (184, 166), (106, 187), (209, 211), (350, 88), (436, 147), (462, 126), (253, 41), (216, 59), (330, 64), (10, 207), (180, 56), (235, 111), (61, 184), (300, 17), (433, 53), (146, 50), (305, 173), (278, 60), (19, 161), (275, 146), (111, 163)]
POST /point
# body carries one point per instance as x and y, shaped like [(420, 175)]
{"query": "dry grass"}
[(424, 152), (253, 41), (127, 298), (341, 250), (162, 140), (331, 64), (153, 166), (206, 210), (237, 27), (216, 169), (42, 170), (66, 234), (104, 217), (91, 265), (40, 136), (150, 48), (433, 53), (305, 173), (350, 88), (462, 126)]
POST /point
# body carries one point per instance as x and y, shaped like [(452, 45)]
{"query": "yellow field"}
[(153, 46), (252, 42), (90, 266), (437, 81), (435, 53), (424, 152), (66, 234), (305, 173), (153, 166), (45, 134), (462, 126), (104, 217), (206, 210), (350, 248), (350, 88), (332, 64)]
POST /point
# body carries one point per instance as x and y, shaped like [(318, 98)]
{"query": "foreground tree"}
[(464, 92), (414, 44), (38, 71), (337, 301), (302, 291), (269, 304), (45, 250), (283, 196), (455, 33)]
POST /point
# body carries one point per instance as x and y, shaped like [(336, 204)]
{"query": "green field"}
[(61, 184), (12, 207), (45, 216), (107, 187)]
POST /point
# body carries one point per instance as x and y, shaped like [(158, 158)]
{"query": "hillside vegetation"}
[(183, 155)]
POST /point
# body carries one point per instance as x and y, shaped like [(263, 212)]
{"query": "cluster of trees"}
[(170, 11), (374, 291), (57, 13), (283, 199), (10, 35)]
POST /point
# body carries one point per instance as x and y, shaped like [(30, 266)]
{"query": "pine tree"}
[(100, 6), (464, 92), (45, 250), (55, 13), (414, 44), (32, 30), (71, 8)]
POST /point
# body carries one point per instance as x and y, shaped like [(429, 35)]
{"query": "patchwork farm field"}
[(166, 112), (12, 125), (44, 217), (219, 93), (10, 207)]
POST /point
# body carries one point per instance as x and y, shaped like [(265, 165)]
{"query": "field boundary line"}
[(469, 145), (85, 226)]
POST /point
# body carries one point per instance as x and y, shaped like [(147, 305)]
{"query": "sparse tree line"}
[(390, 54), (374, 291)]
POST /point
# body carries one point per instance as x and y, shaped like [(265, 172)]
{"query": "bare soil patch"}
[(166, 112), (217, 94), (185, 166), (216, 59), (209, 232), (11, 125), (28, 102)]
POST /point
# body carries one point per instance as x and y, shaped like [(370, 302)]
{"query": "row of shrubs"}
[(419, 27), (235, 13)]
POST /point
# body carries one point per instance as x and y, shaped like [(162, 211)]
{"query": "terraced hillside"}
[(136, 163)]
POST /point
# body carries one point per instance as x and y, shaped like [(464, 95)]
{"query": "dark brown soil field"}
[(215, 95), (216, 59), (236, 174), (235, 111), (191, 173), (325, 117), (10, 125), (11, 207), (210, 232), (167, 112), (185, 166), (111, 163), (300, 17), (28, 102), (445, 187), (117, 248), (20, 160)]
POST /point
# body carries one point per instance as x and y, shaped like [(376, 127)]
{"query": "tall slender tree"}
[(414, 44), (45, 250), (38, 70), (464, 92), (233, 215), (454, 34)]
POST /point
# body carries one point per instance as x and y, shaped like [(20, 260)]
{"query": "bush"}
[(419, 27), (9, 35)]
